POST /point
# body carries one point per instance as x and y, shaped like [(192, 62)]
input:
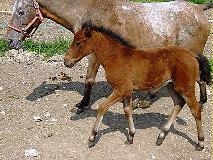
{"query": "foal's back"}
[(151, 68)]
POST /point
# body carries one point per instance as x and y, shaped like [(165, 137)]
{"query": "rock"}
[(31, 153), (208, 92), (82, 76), (47, 115), (140, 104), (54, 120), (3, 113), (47, 135), (24, 82), (57, 58), (1, 88), (64, 77), (37, 118), (24, 56)]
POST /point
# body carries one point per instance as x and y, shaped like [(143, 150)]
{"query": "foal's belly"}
[(152, 81), (151, 87)]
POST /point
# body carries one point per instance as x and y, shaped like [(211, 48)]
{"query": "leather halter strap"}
[(37, 17)]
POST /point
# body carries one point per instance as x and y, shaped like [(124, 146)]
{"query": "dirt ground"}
[(35, 113), (32, 87)]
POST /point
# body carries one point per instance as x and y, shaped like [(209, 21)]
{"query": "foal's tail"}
[(205, 69)]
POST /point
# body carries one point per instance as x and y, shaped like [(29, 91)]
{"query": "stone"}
[(31, 153)]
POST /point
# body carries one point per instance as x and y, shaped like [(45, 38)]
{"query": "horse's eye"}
[(78, 43), (21, 13)]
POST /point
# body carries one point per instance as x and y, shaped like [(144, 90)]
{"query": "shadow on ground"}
[(100, 89), (118, 122), (114, 121)]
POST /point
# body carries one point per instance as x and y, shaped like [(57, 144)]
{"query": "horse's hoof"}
[(77, 110), (82, 104), (199, 148)]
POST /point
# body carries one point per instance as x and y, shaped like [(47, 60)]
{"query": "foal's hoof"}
[(161, 137), (91, 144), (130, 140), (92, 137), (160, 141), (199, 148)]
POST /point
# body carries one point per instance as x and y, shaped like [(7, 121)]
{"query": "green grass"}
[(3, 47), (47, 49), (193, 1), (211, 63)]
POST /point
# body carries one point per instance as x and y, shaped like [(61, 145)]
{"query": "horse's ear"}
[(88, 33), (88, 28)]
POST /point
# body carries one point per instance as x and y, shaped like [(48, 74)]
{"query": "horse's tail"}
[(205, 69), (207, 6)]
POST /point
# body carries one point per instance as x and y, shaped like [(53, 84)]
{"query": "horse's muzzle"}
[(69, 65)]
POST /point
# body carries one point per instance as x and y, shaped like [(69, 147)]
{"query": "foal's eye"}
[(21, 13), (78, 43)]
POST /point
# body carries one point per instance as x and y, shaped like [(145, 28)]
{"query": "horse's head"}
[(82, 46), (25, 17)]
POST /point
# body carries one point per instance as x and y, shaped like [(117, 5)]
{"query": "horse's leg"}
[(203, 95), (102, 109), (179, 102), (128, 112), (196, 112), (92, 70)]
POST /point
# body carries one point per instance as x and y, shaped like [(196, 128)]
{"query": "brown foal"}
[(128, 68)]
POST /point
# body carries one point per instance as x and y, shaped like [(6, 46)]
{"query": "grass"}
[(211, 63), (47, 49), (3, 47), (193, 1)]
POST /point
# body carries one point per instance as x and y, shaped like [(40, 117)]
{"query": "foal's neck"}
[(107, 49)]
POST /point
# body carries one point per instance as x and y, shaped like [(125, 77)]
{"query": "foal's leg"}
[(196, 112), (92, 70), (128, 112), (179, 102), (102, 109)]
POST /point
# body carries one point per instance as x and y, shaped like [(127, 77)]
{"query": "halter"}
[(37, 17)]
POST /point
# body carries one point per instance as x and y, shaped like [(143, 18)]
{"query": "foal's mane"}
[(113, 35)]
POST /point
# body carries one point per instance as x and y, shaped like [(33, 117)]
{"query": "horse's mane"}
[(108, 32)]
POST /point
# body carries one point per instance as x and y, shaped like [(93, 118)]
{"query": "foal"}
[(128, 68)]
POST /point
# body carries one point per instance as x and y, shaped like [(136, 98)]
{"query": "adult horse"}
[(144, 25)]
